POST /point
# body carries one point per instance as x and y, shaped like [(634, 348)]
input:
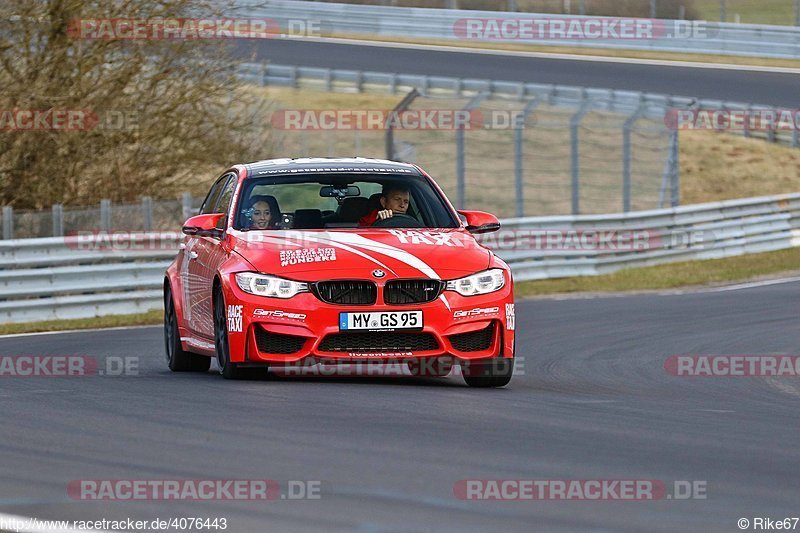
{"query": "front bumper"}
[(274, 330)]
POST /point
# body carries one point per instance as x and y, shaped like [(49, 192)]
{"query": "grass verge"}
[(112, 321), (672, 276)]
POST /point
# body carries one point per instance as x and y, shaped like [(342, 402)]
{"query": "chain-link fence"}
[(780, 12)]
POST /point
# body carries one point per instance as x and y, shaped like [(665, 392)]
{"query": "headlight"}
[(480, 283), (262, 285)]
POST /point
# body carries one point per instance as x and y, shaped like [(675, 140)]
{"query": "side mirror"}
[(479, 222), (204, 226)]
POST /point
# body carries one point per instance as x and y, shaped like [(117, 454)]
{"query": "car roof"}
[(329, 165)]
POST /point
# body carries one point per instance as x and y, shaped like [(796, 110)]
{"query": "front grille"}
[(383, 341), (346, 292), (411, 291), (474, 341), (269, 342)]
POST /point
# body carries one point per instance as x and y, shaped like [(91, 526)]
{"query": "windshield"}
[(341, 201)]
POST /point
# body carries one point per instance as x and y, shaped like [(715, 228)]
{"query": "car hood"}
[(399, 253)]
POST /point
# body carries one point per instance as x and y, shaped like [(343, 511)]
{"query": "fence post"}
[(399, 108), (186, 203), (147, 213), (8, 222), (461, 185), (512, 5), (653, 10), (582, 7), (626, 157), (797, 12), (675, 176), (105, 215), (58, 220), (722, 11), (519, 171), (574, 127)]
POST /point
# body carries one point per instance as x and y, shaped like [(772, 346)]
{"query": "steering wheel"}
[(398, 220)]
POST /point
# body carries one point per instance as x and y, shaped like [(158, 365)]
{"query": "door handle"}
[(192, 255)]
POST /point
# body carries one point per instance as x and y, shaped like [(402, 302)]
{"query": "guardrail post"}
[(574, 128), (186, 203), (461, 185), (147, 213), (8, 222), (519, 147), (293, 77), (626, 157), (722, 11), (58, 220), (582, 7), (512, 5), (359, 82), (393, 83), (105, 215), (653, 9), (797, 12), (264, 74), (329, 80)]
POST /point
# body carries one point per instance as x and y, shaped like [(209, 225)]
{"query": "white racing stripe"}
[(387, 250)]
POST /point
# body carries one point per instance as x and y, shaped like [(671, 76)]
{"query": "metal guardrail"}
[(349, 19), (645, 105), (82, 280)]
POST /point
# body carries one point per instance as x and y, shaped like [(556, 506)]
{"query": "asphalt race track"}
[(769, 88), (594, 403)]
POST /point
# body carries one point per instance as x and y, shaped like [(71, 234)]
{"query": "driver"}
[(394, 200)]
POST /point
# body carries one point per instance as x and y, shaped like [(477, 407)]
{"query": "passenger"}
[(264, 212)]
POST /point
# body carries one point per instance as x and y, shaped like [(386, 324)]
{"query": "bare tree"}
[(160, 110)]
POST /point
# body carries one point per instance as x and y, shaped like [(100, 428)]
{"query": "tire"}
[(227, 369), (491, 374), (178, 359)]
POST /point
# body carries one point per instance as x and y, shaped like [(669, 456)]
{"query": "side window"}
[(213, 195), (224, 202)]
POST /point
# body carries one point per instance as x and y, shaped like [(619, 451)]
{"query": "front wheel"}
[(490, 374), (228, 369), (178, 359)]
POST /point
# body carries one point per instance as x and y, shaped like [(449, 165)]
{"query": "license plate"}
[(381, 320)]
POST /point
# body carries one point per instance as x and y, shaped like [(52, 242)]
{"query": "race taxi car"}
[(337, 261)]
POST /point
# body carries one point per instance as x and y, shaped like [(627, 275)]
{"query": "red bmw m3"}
[(337, 261)]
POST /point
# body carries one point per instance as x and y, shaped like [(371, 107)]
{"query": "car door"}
[(203, 257)]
